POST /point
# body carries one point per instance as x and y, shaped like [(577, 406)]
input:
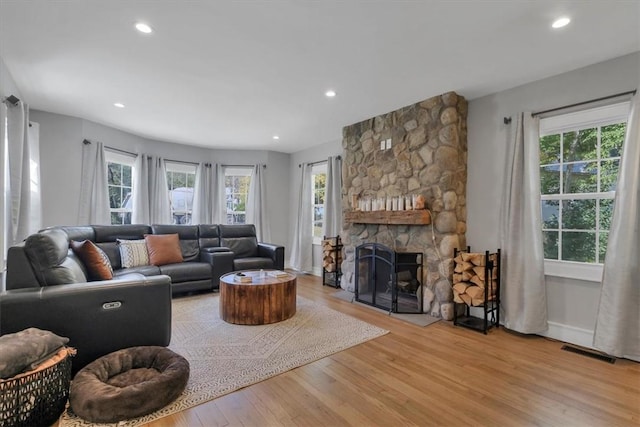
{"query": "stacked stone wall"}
[(428, 156)]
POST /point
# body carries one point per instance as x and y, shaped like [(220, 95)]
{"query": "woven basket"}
[(37, 397)]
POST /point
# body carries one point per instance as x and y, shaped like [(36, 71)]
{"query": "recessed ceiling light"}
[(276, 137), (118, 104), (143, 28), (330, 93), (561, 22)]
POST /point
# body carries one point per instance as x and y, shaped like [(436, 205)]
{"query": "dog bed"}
[(128, 383)]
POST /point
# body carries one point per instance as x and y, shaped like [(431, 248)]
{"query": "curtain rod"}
[(117, 150), (240, 166), (630, 92), (12, 100), (318, 162), (182, 161)]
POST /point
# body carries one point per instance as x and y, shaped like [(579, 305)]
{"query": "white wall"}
[(311, 155), (572, 304), (61, 155)]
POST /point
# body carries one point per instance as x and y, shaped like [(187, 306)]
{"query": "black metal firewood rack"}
[(466, 313), (332, 278)]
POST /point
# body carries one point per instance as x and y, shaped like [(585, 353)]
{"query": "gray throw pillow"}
[(26, 349)]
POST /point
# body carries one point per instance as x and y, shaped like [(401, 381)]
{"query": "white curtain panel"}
[(19, 199), (617, 329), (159, 206), (523, 296), (219, 196), (94, 188), (201, 212), (150, 192), (301, 250), (35, 218), (333, 198), (257, 204), (140, 196), (207, 199)]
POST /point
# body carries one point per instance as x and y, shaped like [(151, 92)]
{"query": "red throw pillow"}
[(163, 248), (94, 259)]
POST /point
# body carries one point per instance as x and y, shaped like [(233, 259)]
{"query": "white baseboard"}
[(317, 271), (569, 334)]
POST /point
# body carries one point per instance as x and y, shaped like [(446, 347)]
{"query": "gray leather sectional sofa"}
[(47, 286)]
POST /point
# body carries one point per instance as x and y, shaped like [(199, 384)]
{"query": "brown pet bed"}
[(128, 383)]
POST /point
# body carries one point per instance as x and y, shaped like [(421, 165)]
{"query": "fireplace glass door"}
[(387, 279)]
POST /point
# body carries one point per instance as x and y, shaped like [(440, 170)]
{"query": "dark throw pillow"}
[(163, 248), (94, 259), (27, 348)]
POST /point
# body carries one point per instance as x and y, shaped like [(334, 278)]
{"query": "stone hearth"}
[(428, 156)]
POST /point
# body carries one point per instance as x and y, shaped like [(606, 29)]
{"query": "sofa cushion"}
[(252, 263), (133, 253), (240, 238), (113, 253), (242, 247), (163, 249), (94, 259), (188, 235), (187, 271), (111, 233), (48, 253), (208, 236), (145, 270)]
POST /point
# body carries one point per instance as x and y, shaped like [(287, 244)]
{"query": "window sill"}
[(574, 270)]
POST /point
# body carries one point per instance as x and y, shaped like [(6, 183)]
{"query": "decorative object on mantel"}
[(414, 217), (398, 203), (476, 283)]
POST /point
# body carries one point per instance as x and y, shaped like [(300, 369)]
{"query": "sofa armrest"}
[(221, 262), (275, 252), (97, 317)]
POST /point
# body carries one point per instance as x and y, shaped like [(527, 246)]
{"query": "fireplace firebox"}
[(387, 279)]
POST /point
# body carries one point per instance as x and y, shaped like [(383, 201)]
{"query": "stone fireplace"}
[(420, 149)]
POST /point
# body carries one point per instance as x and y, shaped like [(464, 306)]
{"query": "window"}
[(319, 184), (579, 161), (181, 178), (120, 182), (236, 183)]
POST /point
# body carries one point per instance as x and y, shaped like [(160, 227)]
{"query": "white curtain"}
[(140, 196), (617, 329), (207, 199), (94, 188), (257, 204), (22, 188), (333, 198), (523, 296), (151, 192), (301, 251)]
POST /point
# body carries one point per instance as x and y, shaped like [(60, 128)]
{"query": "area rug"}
[(420, 319), (225, 357)]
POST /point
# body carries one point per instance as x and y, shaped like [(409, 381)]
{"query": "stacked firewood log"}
[(331, 254), (470, 281)]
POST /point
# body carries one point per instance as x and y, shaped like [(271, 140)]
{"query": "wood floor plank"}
[(434, 375)]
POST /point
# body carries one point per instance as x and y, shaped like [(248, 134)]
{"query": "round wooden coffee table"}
[(266, 299)]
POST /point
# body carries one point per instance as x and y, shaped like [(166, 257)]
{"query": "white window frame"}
[(317, 169), (237, 171), (181, 168), (126, 160), (586, 119)]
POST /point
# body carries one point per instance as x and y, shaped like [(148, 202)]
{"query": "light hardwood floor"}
[(435, 375)]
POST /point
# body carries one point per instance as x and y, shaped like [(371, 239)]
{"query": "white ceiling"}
[(231, 74)]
